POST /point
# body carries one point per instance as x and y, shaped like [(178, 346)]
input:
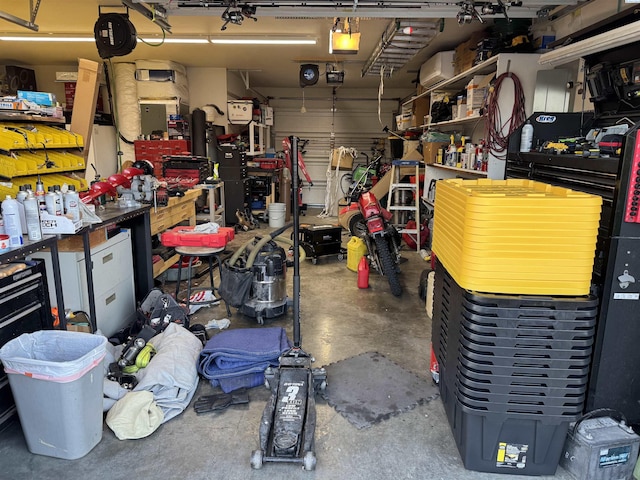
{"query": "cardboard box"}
[(410, 150), (10, 105), (84, 103), (430, 151), (41, 98), (421, 107), (53, 224), (78, 327), (74, 243), (346, 162), (465, 53)]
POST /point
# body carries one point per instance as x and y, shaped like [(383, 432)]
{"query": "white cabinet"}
[(113, 283)]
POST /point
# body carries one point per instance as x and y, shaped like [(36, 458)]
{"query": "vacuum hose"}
[(261, 242)]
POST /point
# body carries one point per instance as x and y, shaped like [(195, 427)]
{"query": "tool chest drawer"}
[(7, 404), (24, 308)]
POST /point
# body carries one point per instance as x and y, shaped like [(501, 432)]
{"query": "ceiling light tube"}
[(173, 40), (263, 40), (10, 38), (598, 43)]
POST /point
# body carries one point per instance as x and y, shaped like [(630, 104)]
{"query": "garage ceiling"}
[(264, 66)]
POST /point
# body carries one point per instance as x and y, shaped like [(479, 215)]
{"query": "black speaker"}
[(115, 35), (19, 78)]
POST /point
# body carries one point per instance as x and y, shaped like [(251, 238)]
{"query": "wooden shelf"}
[(160, 267), (460, 80), (26, 115), (462, 170), (457, 121)]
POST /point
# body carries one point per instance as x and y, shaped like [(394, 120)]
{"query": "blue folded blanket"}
[(238, 358)]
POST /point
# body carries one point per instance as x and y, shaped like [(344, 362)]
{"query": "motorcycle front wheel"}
[(389, 269)]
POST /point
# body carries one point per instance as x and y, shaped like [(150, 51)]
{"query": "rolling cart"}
[(321, 240)]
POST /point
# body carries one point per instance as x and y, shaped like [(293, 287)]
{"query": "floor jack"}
[(288, 424)]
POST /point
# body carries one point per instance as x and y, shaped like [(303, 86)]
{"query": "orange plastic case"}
[(186, 237)]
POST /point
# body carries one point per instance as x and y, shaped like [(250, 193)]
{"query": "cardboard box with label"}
[(344, 157), (55, 224), (430, 151)]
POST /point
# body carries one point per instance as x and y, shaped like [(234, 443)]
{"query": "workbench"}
[(177, 210)]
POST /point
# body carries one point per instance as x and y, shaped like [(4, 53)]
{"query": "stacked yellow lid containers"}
[(516, 236)]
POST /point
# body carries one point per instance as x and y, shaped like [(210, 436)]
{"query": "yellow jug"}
[(356, 249)]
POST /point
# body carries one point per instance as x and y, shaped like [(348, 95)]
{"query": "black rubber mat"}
[(369, 388)]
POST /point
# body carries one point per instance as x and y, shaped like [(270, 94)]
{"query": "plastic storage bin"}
[(516, 236), (56, 378), (513, 373)]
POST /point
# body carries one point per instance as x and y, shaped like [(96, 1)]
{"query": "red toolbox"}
[(186, 237)]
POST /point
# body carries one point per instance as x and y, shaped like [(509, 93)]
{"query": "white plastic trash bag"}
[(55, 355)]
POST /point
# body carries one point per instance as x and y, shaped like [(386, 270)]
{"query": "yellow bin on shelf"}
[(356, 249), (516, 236)]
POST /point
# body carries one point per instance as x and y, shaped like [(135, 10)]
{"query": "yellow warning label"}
[(512, 455), (501, 451)]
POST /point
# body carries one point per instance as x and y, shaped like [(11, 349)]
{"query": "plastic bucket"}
[(276, 213), (356, 249), (56, 378)]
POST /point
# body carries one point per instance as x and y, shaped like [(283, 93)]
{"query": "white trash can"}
[(56, 378)]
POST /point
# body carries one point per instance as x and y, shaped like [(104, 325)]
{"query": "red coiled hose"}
[(497, 138)]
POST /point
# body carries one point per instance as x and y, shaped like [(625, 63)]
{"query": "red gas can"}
[(363, 273)]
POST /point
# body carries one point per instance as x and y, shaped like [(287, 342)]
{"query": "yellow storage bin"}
[(12, 188), (516, 236)]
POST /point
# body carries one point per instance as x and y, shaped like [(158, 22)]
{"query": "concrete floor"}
[(338, 321)]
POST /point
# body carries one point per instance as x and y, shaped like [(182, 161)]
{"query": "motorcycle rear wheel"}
[(389, 269), (357, 226)]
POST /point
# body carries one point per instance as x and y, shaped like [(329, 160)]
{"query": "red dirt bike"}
[(374, 226)]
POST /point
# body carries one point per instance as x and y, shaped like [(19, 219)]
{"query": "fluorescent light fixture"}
[(173, 40), (263, 40), (45, 38), (598, 43), (345, 43)]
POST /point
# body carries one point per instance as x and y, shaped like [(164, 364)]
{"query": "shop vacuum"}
[(268, 294), (288, 424), (254, 278)]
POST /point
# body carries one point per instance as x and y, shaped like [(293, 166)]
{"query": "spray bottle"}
[(40, 193), (20, 196), (11, 216), (59, 200), (32, 214), (72, 204)]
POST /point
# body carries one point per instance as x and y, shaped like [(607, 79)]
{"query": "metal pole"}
[(297, 341)]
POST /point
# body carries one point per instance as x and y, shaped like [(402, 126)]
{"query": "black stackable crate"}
[(513, 373)]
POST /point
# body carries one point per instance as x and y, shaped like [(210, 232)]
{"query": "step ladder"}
[(394, 199)]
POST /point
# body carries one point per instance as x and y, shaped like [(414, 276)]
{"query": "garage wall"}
[(355, 124)]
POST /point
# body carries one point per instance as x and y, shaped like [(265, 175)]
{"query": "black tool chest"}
[(24, 308), (613, 81)]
